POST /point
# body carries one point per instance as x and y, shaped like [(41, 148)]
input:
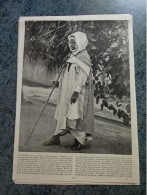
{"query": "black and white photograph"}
[(75, 94)]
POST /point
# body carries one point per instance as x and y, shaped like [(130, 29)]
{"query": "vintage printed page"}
[(76, 119)]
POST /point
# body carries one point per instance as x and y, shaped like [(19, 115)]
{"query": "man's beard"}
[(73, 48)]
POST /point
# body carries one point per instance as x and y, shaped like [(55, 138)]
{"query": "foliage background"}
[(108, 48), (10, 11)]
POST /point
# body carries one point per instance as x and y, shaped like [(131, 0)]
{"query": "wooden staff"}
[(63, 66)]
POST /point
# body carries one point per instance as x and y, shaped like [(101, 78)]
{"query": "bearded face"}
[(77, 42), (72, 44)]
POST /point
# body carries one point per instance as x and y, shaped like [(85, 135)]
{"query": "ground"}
[(110, 137)]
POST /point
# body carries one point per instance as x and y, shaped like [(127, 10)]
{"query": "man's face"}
[(72, 44)]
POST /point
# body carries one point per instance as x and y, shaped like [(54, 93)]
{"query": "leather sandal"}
[(77, 145)]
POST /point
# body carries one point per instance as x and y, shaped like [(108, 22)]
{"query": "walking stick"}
[(45, 104)]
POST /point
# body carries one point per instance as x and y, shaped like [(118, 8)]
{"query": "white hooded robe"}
[(74, 78)]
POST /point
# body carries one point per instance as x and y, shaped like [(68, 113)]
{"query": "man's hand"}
[(74, 97)]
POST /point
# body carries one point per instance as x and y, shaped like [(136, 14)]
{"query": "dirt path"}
[(108, 138)]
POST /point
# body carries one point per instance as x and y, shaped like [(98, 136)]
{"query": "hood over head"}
[(81, 41)]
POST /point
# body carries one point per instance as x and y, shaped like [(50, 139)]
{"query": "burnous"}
[(74, 111)]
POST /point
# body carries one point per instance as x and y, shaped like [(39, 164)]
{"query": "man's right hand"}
[(74, 97)]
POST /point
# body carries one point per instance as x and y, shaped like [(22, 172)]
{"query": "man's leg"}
[(79, 139), (77, 145), (54, 140)]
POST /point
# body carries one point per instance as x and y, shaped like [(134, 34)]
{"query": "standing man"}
[(74, 111)]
